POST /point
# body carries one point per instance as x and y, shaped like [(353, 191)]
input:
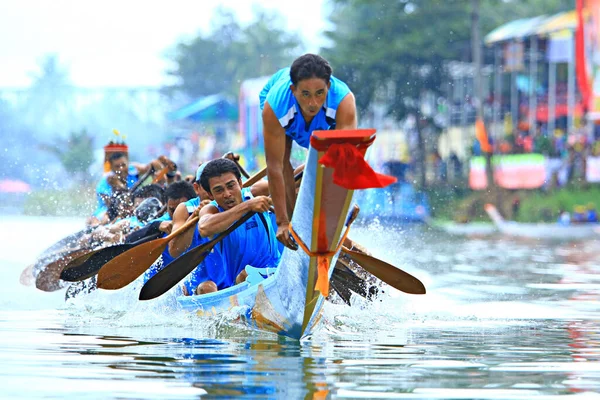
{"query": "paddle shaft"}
[(231, 156), (256, 177)]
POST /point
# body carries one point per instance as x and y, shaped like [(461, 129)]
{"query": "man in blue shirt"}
[(297, 101), (253, 243)]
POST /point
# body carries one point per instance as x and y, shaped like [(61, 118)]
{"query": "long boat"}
[(287, 302), (551, 231)]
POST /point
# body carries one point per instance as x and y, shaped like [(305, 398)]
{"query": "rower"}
[(253, 243), (209, 275), (121, 175), (297, 101), (177, 193)]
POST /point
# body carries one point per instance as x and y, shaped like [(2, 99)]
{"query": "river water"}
[(502, 319)]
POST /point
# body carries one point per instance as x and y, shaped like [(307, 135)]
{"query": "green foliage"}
[(230, 54), (536, 206), (74, 153), (394, 50), (77, 202)]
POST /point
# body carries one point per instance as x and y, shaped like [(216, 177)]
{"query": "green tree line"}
[(390, 48)]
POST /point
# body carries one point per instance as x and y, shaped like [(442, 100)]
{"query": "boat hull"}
[(287, 302)]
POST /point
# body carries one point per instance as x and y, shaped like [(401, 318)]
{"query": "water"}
[(503, 319)]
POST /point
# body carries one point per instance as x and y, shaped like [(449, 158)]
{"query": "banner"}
[(593, 7), (513, 56), (560, 47), (592, 169), (512, 171)]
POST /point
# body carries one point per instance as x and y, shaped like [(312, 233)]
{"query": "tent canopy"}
[(537, 26), (213, 108)]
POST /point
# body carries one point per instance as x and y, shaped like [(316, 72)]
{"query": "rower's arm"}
[(179, 244), (213, 222), (345, 117), (260, 188), (278, 167), (288, 177)]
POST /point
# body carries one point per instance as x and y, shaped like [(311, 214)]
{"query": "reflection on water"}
[(502, 319)]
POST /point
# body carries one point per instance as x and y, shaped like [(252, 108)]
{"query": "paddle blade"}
[(48, 278), (87, 266), (391, 275), (175, 271), (128, 266), (27, 278)]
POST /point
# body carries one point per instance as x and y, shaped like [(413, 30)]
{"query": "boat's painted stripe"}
[(312, 296)]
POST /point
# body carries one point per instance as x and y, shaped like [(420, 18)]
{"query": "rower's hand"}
[(166, 226), (232, 156), (283, 235), (203, 203), (260, 204)]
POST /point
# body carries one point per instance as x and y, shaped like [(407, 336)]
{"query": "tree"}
[(230, 54), (395, 51), (406, 44), (76, 153)]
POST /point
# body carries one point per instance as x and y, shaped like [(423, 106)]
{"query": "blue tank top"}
[(165, 258), (254, 243), (278, 94), (212, 267)]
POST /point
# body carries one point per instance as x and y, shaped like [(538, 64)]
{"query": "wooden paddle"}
[(26, 278), (128, 266), (89, 264), (48, 278), (256, 177), (179, 268), (388, 273), (231, 156)]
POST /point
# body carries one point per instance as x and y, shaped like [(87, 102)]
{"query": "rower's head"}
[(200, 192), (222, 179), (178, 192), (311, 79), (119, 164)]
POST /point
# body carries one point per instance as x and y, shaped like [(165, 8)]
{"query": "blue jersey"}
[(254, 243), (104, 189), (278, 94), (165, 258), (211, 269)]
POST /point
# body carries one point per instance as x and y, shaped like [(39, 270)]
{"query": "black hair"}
[(216, 168), (152, 190), (177, 190), (310, 66), (116, 156)]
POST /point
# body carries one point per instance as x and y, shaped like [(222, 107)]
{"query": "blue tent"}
[(213, 108)]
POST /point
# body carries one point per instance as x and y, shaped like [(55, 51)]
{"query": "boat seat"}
[(257, 275)]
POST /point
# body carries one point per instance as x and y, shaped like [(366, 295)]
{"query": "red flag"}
[(580, 65), (350, 170)]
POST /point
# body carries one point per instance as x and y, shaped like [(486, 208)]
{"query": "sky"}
[(123, 42)]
